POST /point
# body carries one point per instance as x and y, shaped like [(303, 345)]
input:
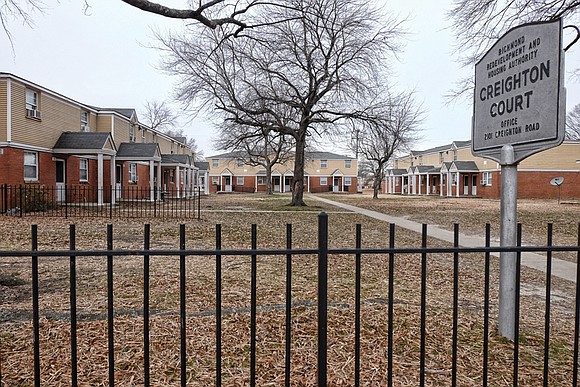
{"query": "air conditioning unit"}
[(483, 182), (136, 179), (33, 113)]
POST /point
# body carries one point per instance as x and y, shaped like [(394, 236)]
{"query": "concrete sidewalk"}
[(562, 269)]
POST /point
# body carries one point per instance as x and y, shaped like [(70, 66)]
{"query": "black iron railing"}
[(89, 201), (322, 251)]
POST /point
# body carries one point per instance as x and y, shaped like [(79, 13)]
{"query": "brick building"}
[(323, 172), (50, 140), (452, 170)]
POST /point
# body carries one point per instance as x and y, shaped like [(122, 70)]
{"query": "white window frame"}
[(323, 163), (84, 169), (261, 180), (28, 163), (171, 176), (215, 162), (31, 99), (131, 133), (239, 180), (348, 163), (215, 180), (132, 172), (347, 180), (85, 121), (486, 179), (323, 180), (240, 163)]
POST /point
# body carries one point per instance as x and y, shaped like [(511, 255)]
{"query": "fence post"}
[(198, 202), (322, 296), (21, 201)]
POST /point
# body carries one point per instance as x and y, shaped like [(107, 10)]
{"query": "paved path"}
[(560, 268)]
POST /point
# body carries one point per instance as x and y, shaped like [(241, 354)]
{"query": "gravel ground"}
[(236, 213)]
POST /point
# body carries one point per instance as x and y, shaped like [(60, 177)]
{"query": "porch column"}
[(449, 185), (100, 179), (177, 180), (113, 179), (256, 183), (440, 184), (414, 184), (151, 180), (342, 183), (428, 185), (457, 185), (420, 185), (159, 180)]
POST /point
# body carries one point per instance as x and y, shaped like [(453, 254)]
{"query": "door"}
[(336, 184), (60, 181), (287, 183), (118, 181), (276, 183), (474, 185), (228, 183), (466, 185)]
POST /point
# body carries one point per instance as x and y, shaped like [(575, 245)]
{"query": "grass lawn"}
[(236, 213)]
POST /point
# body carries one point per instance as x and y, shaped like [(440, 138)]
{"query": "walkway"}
[(562, 269)]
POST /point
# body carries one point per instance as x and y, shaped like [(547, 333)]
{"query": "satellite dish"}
[(557, 181)]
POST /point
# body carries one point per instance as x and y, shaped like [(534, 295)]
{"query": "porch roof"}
[(397, 172), (139, 151), (464, 166), (85, 143), (173, 159)]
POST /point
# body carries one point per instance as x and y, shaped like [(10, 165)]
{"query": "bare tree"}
[(395, 129), (262, 147), (317, 66), (158, 116), (479, 23), (573, 124), (19, 10)]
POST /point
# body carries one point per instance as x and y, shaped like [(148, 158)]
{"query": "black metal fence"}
[(323, 251), (89, 201)]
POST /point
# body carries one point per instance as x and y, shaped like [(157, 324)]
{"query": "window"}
[(240, 180), (240, 163), (144, 136), (30, 166), (32, 110), (85, 121), (133, 173), (441, 157), (84, 170), (348, 163), (454, 155), (215, 180), (215, 163), (323, 181), (132, 133), (261, 180), (420, 160), (347, 180), (31, 100), (486, 178), (323, 163), (172, 176)]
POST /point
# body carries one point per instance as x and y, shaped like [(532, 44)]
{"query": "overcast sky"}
[(103, 59)]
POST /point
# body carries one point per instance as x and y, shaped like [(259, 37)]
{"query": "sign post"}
[(519, 109)]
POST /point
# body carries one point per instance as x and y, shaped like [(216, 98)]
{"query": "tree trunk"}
[(377, 183), (298, 179), (268, 178)]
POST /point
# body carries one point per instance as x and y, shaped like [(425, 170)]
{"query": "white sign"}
[(519, 98)]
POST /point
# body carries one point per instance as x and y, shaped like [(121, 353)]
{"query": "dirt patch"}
[(271, 215)]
